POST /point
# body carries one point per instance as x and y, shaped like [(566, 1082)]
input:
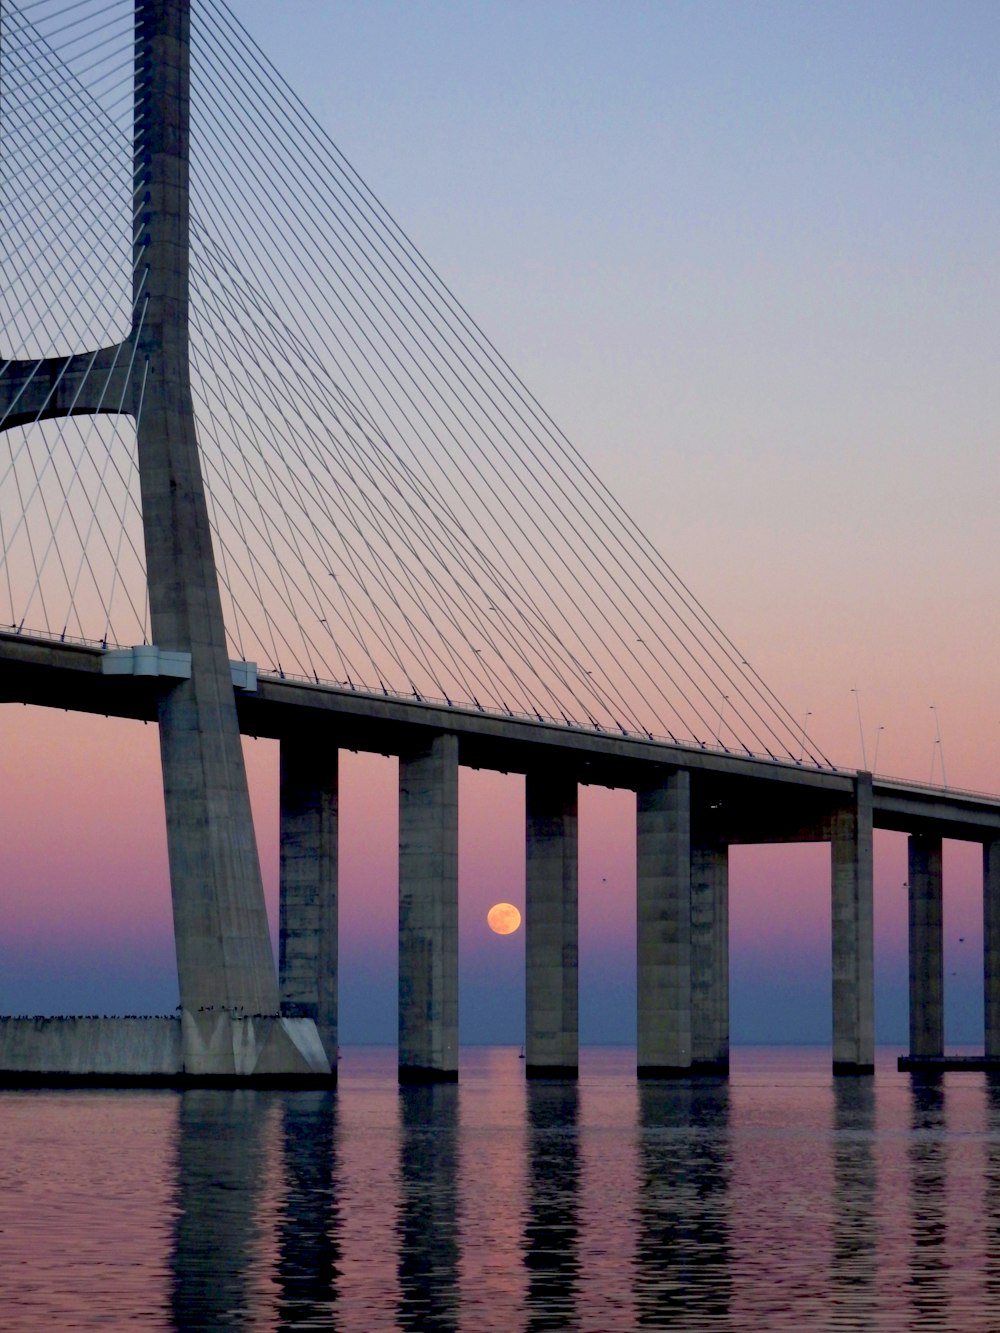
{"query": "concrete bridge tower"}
[(231, 1024)]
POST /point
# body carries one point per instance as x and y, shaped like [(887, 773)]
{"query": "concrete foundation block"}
[(222, 1044), (90, 1047), (204, 1047)]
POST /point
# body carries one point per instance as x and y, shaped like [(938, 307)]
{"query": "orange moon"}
[(503, 918)]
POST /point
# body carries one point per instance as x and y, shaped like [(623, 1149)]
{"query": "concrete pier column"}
[(428, 912), (926, 947), (710, 958), (663, 850), (853, 943), (307, 940), (991, 946), (552, 1039)]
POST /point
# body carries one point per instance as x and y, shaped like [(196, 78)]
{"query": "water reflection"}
[(427, 1217), (855, 1225), (682, 1268), (928, 1155), (552, 1220), (770, 1203), (308, 1234), (991, 1188), (221, 1161)]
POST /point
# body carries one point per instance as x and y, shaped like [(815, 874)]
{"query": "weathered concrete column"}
[(991, 946), (663, 847), (710, 958), (926, 947), (428, 912), (307, 941), (552, 1040), (853, 942)]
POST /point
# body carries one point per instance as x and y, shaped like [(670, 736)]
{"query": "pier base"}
[(210, 1049), (943, 1064)]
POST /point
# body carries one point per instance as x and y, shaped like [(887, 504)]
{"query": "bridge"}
[(315, 504)]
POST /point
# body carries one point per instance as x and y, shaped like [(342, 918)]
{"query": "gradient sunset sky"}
[(745, 255)]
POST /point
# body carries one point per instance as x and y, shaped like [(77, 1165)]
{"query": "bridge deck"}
[(748, 798)]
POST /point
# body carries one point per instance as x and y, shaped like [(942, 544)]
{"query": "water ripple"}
[(781, 1199)]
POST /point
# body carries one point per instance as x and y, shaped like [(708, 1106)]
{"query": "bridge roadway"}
[(693, 803)]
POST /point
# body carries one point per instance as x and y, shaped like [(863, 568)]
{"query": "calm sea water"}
[(781, 1200)]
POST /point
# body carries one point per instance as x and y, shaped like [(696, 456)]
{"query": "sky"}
[(745, 257)]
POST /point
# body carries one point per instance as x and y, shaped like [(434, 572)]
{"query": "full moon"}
[(503, 918)]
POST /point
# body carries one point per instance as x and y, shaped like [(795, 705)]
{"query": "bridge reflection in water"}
[(781, 1199)]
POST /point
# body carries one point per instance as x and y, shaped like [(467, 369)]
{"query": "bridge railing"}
[(929, 788)]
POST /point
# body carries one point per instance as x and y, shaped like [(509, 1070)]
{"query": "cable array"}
[(71, 560), (392, 508)]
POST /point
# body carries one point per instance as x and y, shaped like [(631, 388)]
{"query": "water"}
[(783, 1200)]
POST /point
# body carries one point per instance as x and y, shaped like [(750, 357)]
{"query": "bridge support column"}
[(991, 947), (853, 942), (428, 912), (552, 1041), (226, 974), (307, 942), (926, 947), (710, 959), (663, 848)]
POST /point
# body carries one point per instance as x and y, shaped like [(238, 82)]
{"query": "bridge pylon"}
[(230, 1012)]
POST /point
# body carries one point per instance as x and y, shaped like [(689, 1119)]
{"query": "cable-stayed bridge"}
[(263, 471)]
